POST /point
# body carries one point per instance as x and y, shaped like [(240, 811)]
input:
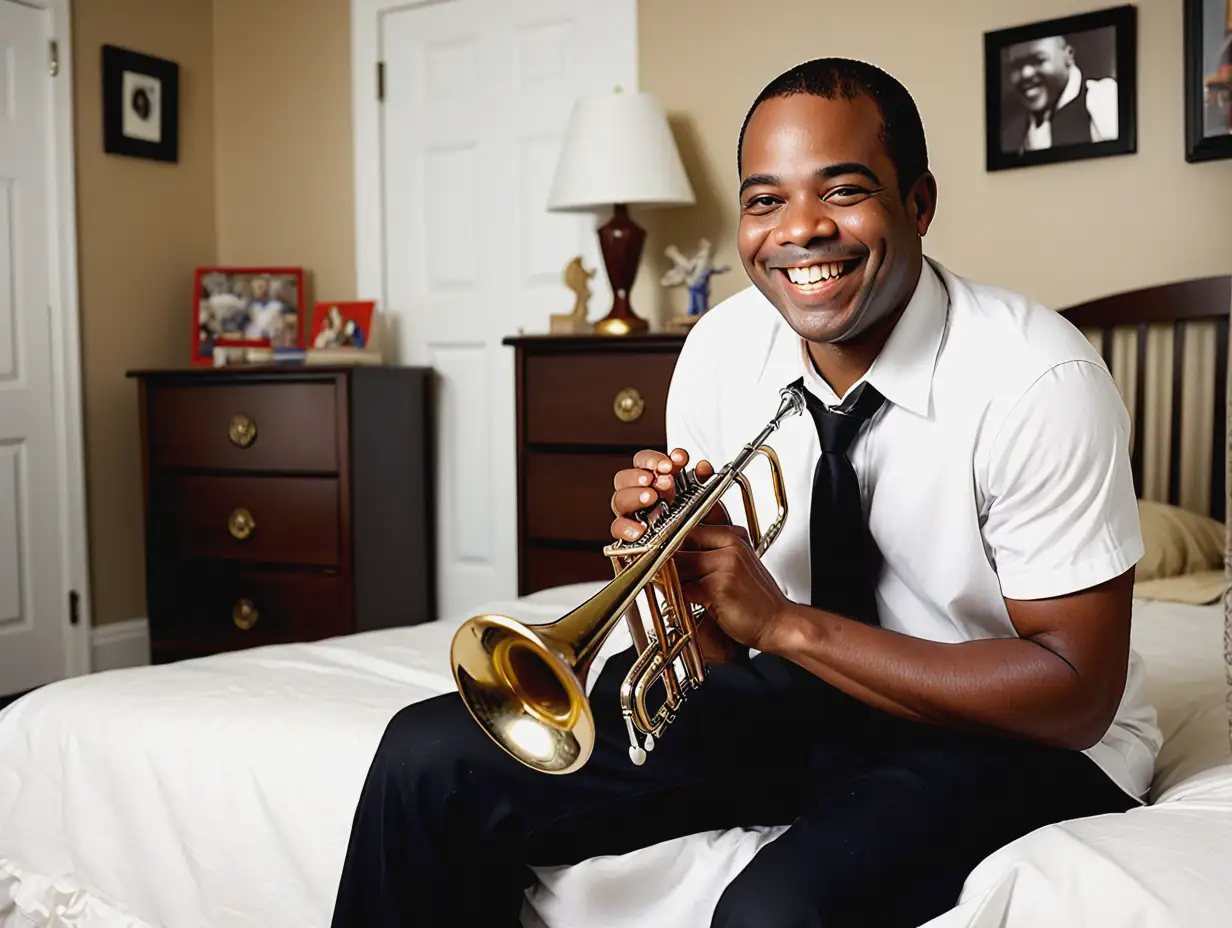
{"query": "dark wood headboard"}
[(1179, 305)]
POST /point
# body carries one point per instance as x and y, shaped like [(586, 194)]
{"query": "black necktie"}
[(842, 554)]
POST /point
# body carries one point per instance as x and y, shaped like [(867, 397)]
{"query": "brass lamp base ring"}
[(621, 325)]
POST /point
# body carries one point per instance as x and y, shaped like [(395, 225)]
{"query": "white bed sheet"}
[(219, 792)]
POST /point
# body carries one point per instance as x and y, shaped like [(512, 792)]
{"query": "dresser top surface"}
[(271, 372), (605, 343)]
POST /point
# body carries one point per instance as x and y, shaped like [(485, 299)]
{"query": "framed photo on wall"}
[(141, 105), (1208, 80), (1062, 89), (246, 307)]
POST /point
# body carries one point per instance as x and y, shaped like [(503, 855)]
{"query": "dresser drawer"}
[(217, 607), (285, 520), (544, 568), (287, 427), (569, 496), (571, 399)]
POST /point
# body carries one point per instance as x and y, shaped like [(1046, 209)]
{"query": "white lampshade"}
[(618, 149)]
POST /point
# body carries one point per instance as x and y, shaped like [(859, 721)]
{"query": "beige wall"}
[(142, 227), (264, 177), (282, 85), (1060, 233)]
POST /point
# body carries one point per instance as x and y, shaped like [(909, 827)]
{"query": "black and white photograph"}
[(1061, 90), (142, 118), (140, 105), (1208, 79)]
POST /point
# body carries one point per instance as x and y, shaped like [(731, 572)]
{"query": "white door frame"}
[(366, 139), (66, 341)]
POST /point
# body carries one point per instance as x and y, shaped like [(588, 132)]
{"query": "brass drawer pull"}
[(628, 405), (241, 524), (244, 615), (242, 430)]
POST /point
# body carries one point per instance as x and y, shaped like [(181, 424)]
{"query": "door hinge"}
[(53, 57), (74, 608), (380, 81)]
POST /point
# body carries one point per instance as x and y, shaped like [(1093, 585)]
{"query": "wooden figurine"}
[(577, 279)]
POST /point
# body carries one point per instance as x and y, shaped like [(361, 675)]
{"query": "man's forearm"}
[(1012, 686)]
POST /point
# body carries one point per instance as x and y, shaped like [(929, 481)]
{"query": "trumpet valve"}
[(637, 753), (685, 481)]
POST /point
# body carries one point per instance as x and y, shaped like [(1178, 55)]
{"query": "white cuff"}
[(1061, 580)]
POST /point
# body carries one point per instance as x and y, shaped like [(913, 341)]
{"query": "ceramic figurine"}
[(577, 279), (695, 273)]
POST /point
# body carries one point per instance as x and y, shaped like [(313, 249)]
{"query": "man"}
[(1058, 106), (927, 687)]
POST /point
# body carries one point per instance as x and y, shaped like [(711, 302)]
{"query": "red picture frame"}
[(359, 312), (246, 307)]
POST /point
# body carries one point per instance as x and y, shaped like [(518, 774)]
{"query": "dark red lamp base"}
[(621, 240)]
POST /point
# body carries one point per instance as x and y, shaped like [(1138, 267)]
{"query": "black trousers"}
[(887, 817)]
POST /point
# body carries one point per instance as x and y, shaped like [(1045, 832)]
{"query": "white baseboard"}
[(120, 644)]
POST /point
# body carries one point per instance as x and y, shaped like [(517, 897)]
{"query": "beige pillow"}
[(1198, 589), (1177, 542)]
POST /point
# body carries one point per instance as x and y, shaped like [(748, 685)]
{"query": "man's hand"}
[(649, 482), (719, 570)]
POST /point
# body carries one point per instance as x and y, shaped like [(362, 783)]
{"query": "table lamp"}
[(618, 150)]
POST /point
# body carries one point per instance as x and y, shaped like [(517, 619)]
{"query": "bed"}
[(219, 791)]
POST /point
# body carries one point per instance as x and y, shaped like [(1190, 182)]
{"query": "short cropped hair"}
[(902, 131)]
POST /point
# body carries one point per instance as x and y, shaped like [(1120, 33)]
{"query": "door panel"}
[(33, 604), (477, 97)]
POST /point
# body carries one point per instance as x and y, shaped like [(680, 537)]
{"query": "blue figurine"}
[(695, 273)]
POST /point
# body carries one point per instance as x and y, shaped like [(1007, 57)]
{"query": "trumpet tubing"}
[(525, 685)]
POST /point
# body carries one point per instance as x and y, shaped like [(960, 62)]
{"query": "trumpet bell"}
[(519, 685)]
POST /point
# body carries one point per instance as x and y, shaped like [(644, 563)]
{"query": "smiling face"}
[(1039, 71), (824, 232)]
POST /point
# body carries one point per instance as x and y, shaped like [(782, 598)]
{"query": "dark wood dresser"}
[(585, 406), (284, 504)]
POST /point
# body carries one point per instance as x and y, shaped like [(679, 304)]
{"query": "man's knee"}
[(756, 903), (420, 747), (787, 897), (757, 900)]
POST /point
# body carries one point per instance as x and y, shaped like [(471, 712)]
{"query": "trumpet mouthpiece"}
[(792, 397)]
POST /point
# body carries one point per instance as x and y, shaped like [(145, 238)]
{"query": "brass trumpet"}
[(526, 684)]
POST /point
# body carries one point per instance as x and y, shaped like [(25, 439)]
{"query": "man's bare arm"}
[(1059, 682)]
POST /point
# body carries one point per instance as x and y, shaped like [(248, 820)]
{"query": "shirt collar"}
[(903, 371)]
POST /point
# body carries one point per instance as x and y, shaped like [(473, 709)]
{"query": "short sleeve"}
[(1062, 514)]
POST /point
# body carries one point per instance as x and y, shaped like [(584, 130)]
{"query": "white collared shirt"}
[(998, 467)]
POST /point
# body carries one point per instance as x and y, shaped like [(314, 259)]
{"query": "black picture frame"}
[(1200, 145), (141, 105), (1003, 112)]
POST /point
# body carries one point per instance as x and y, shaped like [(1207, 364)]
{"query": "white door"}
[(33, 603), (477, 97)]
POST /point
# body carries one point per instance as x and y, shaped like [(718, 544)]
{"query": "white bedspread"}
[(219, 792)]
